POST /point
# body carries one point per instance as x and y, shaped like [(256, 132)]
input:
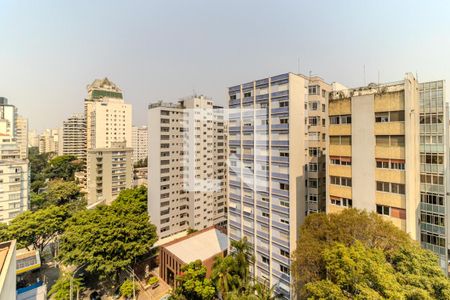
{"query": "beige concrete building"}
[(186, 161), (8, 270), (374, 152), (73, 136), (108, 117), (140, 143), (22, 136), (109, 170)]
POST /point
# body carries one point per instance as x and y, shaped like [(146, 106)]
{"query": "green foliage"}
[(191, 230), (38, 228), (61, 288), (38, 162), (59, 192), (141, 163), (63, 167), (109, 238), (193, 284), (127, 287), (357, 255), (153, 280), (134, 200)]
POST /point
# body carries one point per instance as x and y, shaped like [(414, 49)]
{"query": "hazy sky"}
[(50, 50)]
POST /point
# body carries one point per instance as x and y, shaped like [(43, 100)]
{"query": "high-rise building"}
[(139, 143), (186, 163), (8, 116), (108, 117), (49, 141), (73, 136), (374, 151), (33, 138), (109, 170), (316, 110), (14, 171), (276, 131), (108, 132), (434, 166), (22, 136)]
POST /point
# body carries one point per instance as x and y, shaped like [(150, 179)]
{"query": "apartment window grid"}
[(432, 165), (252, 92)]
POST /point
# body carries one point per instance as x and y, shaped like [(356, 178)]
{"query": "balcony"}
[(280, 127), (280, 110)]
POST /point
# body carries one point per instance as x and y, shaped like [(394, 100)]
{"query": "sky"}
[(165, 50)]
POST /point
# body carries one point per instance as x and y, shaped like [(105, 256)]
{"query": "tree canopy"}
[(109, 238), (357, 255), (38, 228), (193, 284), (60, 290)]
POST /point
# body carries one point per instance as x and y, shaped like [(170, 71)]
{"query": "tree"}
[(108, 239), (63, 167), (357, 255), (225, 275), (38, 162), (128, 287), (38, 228), (61, 288), (241, 251), (132, 200), (193, 284)]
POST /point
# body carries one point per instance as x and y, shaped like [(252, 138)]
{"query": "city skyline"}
[(54, 55)]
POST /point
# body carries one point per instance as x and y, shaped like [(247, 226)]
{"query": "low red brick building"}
[(204, 245)]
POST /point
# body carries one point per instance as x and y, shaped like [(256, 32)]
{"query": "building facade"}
[(22, 136), (186, 166), (434, 166), (316, 110), (14, 170), (73, 136), (374, 152), (109, 171), (268, 156), (139, 143), (108, 117), (49, 141), (8, 270)]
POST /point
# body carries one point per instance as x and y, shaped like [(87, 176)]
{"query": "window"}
[(383, 210), (341, 160), (382, 164), (265, 260), (284, 186), (431, 118), (390, 116), (284, 221), (314, 90), (397, 188), (284, 253), (432, 158), (431, 198), (314, 152), (265, 214), (284, 269), (341, 140), (314, 105), (390, 140), (338, 201), (247, 94), (313, 121), (312, 167), (345, 181), (390, 164)]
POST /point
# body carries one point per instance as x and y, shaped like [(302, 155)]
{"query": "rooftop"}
[(200, 245)]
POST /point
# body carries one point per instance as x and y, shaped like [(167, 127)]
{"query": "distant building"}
[(73, 137), (140, 176), (109, 170), (186, 163), (33, 138), (8, 270), (108, 117), (139, 143), (22, 136), (14, 170), (204, 245), (49, 141)]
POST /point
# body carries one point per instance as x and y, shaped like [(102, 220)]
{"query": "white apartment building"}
[(108, 117), (139, 143), (33, 138), (49, 141), (73, 136), (186, 163), (14, 172)]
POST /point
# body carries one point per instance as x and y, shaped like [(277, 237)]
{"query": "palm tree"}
[(224, 275), (244, 257), (263, 292)]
